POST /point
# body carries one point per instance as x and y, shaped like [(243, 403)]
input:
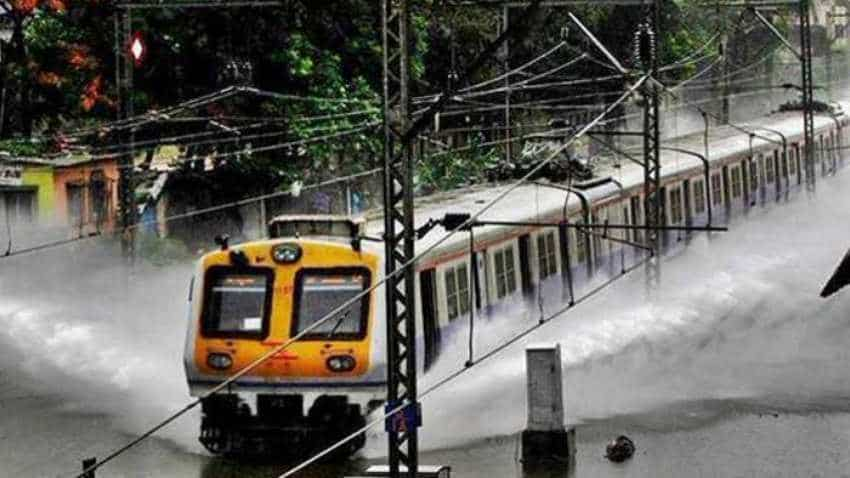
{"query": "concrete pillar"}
[(545, 439)]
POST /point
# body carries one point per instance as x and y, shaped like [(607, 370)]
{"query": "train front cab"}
[(250, 299)]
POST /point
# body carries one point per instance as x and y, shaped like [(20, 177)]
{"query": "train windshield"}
[(320, 292), (237, 303)]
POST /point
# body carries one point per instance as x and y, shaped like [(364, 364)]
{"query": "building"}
[(76, 193), (86, 193), (26, 190)]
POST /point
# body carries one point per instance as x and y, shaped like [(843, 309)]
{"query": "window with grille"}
[(505, 272), (18, 206), (457, 290), (699, 197), (546, 255)]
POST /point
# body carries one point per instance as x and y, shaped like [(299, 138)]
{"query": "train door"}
[(727, 187), (525, 266), (687, 191), (430, 322)]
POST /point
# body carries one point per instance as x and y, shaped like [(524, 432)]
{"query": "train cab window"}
[(237, 302), (505, 272), (716, 190), (736, 182), (318, 292), (546, 258), (699, 197), (457, 290)]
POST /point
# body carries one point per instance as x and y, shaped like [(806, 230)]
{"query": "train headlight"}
[(341, 363), (219, 361), (286, 253)]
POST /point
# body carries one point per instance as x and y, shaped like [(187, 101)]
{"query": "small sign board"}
[(11, 175)]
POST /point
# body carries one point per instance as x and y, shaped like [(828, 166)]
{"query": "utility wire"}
[(272, 147)]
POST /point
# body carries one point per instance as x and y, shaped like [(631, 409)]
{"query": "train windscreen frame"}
[(237, 302), (318, 291)]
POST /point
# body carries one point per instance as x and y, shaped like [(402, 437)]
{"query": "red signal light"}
[(137, 48)]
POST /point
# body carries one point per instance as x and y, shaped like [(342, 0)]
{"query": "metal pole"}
[(124, 68), (652, 131), (506, 17), (808, 92), (708, 197), (724, 67), (399, 236)]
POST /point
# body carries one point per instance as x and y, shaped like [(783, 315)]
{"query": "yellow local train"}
[(249, 299)]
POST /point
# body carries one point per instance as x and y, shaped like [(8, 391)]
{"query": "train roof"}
[(530, 201)]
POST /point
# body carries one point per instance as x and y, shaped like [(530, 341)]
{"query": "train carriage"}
[(249, 298)]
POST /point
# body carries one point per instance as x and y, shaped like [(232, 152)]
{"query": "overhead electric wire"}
[(196, 102), (272, 147), (516, 70), (123, 148)]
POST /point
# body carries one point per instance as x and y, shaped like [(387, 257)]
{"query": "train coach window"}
[(699, 197), (321, 291), (736, 182), (792, 164), (716, 189), (675, 206), (505, 272), (237, 302), (547, 260), (768, 168), (457, 291)]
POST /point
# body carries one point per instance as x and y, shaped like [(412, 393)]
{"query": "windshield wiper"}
[(339, 322)]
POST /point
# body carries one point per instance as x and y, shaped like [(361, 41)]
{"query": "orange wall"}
[(81, 174)]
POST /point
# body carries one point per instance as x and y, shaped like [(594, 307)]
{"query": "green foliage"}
[(23, 147), (456, 168)]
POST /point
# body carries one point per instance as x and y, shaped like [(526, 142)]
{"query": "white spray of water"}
[(736, 315), (100, 339)]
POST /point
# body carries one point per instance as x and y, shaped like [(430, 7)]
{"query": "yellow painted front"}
[(41, 178), (302, 359)]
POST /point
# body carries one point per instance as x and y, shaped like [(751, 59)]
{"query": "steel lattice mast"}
[(399, 237)]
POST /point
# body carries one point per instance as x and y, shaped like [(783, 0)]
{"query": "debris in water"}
[(620, 449)]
